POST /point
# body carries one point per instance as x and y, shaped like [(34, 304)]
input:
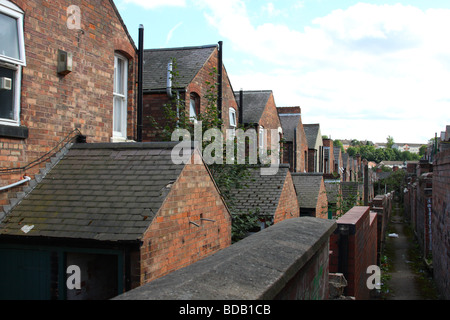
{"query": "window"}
[(261, 138), (194, 107), (12, 58), (232, 113), (120, 97), (12, 48)]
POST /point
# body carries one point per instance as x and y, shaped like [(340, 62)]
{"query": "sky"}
[(363, 70)]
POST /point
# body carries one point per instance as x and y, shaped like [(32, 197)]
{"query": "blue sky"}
[(362, 69)]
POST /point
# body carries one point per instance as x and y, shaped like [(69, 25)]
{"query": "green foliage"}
[(227, 177), (382, 154), (338, 143), (393, 182), (243, 223)]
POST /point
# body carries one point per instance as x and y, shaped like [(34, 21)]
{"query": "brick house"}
[(338, 162), (272, 197), (311, 194), (328, 155), (184, 74), (259, 112), (295, 146), (123, 212), (66, 65), (315, 147)]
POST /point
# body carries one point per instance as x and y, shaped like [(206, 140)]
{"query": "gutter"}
[(26, 179)]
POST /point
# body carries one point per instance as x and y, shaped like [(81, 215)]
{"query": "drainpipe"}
[(294, 150), (140, 104), (241, 107), (24, 180), (220, 75), (169, 78)]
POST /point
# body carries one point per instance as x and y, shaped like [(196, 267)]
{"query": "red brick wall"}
[(362, 250), (322, 202), (154, 103), (329, 166), (53, 105), (302, 149), (270, 119), (172, 242), (441, 222), (288, 204)]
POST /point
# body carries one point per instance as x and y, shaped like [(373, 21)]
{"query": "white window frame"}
[(232, 115), (10, 9), (121, 135), (192, 110), (261, 138)]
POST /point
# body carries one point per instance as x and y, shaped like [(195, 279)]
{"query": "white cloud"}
[(170, 34), (152, 4), (364, 63)]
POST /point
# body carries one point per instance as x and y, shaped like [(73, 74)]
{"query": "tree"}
[(338, 143), (390, 142)]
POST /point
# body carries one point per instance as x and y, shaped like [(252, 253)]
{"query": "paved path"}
[(402, 281)]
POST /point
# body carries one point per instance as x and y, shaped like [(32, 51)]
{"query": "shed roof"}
[(307, 186), (260, 192), (189, 61), (107, 192)]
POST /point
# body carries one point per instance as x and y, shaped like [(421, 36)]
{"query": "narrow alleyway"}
[(404, 282)]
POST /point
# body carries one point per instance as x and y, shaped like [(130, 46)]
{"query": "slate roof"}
[(189, 60), (333, 190), (311, 132), (289, 123), (260, 191), (254, 104), (307, 186), (107, 192)]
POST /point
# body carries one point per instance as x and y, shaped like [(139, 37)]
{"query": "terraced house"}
[(76, 191), (67, 68)]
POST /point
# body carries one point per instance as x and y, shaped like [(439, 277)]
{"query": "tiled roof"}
[(307, 186), (312, 133), (261, 192), (289, 123), (254, 104), (189, 60), (98, 191)]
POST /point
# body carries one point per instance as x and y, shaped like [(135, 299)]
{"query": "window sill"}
[(19, 132)]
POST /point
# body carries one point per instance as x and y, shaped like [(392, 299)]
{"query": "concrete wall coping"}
[(257, 267)]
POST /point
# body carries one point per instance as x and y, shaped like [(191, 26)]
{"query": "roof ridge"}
[(182, 48)]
